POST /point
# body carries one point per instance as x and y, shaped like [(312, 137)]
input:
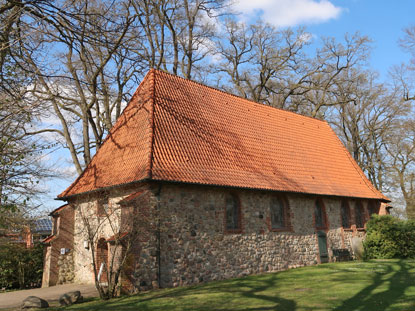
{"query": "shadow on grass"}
[(256, 292), (379, 301), (247, 290), (379, 287)]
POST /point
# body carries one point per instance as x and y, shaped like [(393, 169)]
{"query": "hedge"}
[(389, 237), (20, 267)]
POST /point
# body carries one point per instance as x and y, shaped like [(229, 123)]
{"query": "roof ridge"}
[(356, 166), (137, 91), (234, 95)]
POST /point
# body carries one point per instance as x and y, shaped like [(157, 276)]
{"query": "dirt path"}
[(51, 294)]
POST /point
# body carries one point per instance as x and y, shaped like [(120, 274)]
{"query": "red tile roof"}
[(179, 130)]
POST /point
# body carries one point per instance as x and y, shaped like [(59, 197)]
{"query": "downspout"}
[(158, 235)]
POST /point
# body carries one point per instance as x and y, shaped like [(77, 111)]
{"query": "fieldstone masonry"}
[(58, 268), (66, 268), (87, 209), (194, 246)]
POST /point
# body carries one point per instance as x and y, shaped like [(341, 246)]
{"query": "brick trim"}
[(349, 214), (359, 208), (287, 215), (325, 226), (102, 256), (373, 207), (239, 210)]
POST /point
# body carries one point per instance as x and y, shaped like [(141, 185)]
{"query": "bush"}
[(20, 267), (388, 237)]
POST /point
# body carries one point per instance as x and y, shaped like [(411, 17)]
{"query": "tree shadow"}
[(246, 289), (281, 304), (399, 281)]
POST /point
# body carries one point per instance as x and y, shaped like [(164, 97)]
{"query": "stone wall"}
[(193, 245), (82, 255), (86, 210), (104, 228), (349, 233), (66, 268), (63, 237), (141, 267)]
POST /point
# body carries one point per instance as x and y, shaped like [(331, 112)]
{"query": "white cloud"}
[(283, 13)]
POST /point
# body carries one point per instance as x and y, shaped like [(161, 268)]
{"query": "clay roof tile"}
[(178, 130)]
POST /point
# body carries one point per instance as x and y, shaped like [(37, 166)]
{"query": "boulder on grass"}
[(34, 302), (70, 298)]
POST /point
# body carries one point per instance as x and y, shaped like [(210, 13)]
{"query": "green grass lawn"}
[(374, 285)]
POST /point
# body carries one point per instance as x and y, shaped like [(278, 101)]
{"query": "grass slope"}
[(374, 285)]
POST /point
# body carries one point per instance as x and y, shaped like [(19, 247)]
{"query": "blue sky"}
[(383, 21)]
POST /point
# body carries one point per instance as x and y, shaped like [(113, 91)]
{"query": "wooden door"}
[(322, 246)]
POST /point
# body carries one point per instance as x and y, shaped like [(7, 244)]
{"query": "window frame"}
[(359, 208), (373, 207), (286, 214), (323, 216), (345, 203), (102, 251), (237, 201)]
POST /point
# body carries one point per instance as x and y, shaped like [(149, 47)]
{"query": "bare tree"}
[(22, 168), (401, 150), (257, 60), (401, 144), (270, 66), (86, 58), (329, 70), (179, 34), (369, 114), (84, 69), (21, 165)]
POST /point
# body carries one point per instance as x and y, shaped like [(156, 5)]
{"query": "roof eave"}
[(72, 196), (150, 75), (384, 199)]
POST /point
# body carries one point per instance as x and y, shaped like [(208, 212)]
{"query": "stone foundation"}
[(196, 248)]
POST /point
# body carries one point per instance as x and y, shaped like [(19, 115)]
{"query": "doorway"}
[(102, 260), (322, 246)]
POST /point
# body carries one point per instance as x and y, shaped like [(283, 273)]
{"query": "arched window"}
[(233, 212), (102, 258), (373, 208), (279, 213), (320, 215), (359, 215), (345, 213)]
